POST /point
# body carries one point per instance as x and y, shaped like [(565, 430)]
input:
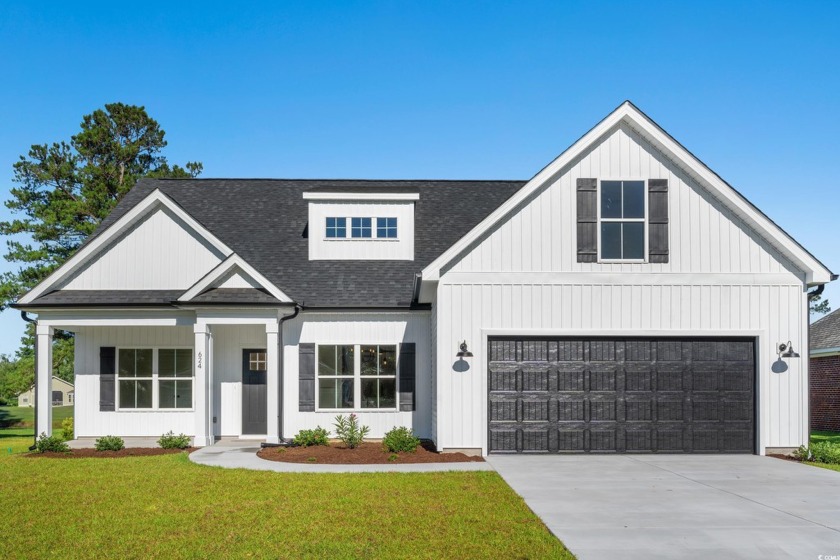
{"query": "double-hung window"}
[(357, 376), (136, 377), (152, 379), (622, 220)]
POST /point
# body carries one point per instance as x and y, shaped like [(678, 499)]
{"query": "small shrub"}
[(51, 443), (393, 457), (312, 460), (348, 430), (305, 438), (400, 440), (820, 452), (109, 443), (67, 429), (170, 441)]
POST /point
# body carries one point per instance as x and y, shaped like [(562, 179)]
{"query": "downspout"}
[(280, 371), (28, 319), (811, 296)]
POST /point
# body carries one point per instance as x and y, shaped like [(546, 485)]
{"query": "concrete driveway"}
[(669, 506)]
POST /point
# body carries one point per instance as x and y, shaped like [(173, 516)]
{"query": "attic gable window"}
[(622, 216)]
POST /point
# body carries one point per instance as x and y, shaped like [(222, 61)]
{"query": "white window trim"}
[(357, 379), (155, 379), (348, 230), (637, 220)]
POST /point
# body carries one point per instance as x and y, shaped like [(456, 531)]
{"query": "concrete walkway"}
[(668, 506), (238, 454)]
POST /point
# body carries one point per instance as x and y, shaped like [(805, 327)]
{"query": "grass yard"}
[(168, 507), (18, 438)]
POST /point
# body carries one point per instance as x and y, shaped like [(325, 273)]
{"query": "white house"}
[(62, 394), (624, 299)]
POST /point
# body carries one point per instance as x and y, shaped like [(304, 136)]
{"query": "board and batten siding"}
[(89, 420), (359, 328), (704, 235), (161, 252), (523, 277)]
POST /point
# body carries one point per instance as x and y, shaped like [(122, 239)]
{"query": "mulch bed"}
[(127, 452), (368, 453), (785, 457)]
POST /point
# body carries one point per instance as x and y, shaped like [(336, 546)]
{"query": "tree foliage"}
[(818, 305), (65, 189)]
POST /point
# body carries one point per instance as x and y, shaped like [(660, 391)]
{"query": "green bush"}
[(820, 452), (170, 441), (51, 443), (349, 431), (305, 438), (109, 443), (67, 429), (400, 439)]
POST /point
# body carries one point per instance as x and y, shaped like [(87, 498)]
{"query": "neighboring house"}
[(825, 373), (624, 299), (62, 394)]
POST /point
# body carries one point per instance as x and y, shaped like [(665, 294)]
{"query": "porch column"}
[(43, 378), (272, 384), (202, 355)]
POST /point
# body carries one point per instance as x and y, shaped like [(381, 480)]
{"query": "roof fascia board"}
[(233, 261), (361, 196), (815, 272), (154, 200)]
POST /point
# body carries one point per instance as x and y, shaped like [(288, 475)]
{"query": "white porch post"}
[(43, 378), (272, 385), (203, 385)]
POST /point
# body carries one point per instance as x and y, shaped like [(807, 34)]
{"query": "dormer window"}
[(361, 227), (386, 228), (336, 228)]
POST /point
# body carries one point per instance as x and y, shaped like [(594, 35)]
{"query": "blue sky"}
[(441, 89)]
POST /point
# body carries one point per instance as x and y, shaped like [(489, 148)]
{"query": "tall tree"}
[(65, 189), (818, 306)]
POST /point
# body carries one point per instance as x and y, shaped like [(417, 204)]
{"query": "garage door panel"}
[(621, 395)]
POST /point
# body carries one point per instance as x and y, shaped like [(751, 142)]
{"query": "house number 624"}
[(198, 364)]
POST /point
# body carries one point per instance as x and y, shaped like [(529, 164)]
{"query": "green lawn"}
[(19, 438), (833, 437), (168, 507)]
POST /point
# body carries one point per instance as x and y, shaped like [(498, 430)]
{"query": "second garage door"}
[(630, 395)]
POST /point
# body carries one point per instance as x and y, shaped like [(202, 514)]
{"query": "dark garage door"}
[(630, 395)]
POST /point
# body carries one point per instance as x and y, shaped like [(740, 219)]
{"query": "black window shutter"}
[(658, 220), (408, 369), (587, 220), (107, 371), (306, 377)]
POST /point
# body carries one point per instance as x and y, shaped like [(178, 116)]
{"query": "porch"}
[(207, 375)]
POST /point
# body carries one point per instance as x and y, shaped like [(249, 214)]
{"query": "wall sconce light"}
[(785, 350), (464, 353)]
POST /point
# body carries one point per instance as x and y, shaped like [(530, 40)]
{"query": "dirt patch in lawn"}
[(128, 452), (369, 453)]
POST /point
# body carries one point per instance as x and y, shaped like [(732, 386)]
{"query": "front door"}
[(254, 417)]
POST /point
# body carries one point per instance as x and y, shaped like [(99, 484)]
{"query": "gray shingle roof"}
[(825, 333), (108, 297), (235, 295), (265, 222)]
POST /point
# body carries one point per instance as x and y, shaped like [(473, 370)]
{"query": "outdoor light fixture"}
[(464, 353), (786, 350)]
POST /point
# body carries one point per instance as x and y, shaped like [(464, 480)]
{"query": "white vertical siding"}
[(704, 235), (160, 252), (523, 277), (89, 421), (359, 328)]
